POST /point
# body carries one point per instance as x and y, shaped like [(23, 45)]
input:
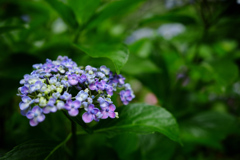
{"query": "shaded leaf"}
[(141, 118), (137, 66), (117, 53), (10, 28), (34, 149), (185, 19), (208, 128), (155, 147), (114, 8), (65, 12), (225, 71), (124, 149), (83, 9)]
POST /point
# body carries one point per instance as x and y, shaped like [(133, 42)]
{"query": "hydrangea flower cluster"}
[(62, 85)]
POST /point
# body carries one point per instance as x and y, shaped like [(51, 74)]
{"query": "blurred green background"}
[(184, 55)]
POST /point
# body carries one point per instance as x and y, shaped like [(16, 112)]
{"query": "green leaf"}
[(124, 149), (83, 9), (156, 147), (117, 53), (208, 128), (225, 71), (113, 9), (141, 118), (185, 19), (34, 149), (10, 28), (65, 12), (146, 66)]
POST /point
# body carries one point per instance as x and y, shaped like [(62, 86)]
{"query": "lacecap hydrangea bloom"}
[(62, 85)]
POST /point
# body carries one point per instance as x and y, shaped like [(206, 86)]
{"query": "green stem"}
[(58, 146), (74, 139)]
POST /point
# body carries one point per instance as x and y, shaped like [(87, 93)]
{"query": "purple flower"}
[(91, 114), (82, 78), (100, 74), (61, 69), (36, 86), (53, 80), (81, 96), (50, 107), (101, 85), (100, 100), (126, 96), (72, 107), (56, 95), (108, 111), (109, 89), (66, 96), (121, 79), (50, 84), (93, 86), (73, 79), (65, 83), (26, 101), (24, 90), (60, 105), (37, 66), (90, 68), (35, 116), (105, 70), (104, 104)]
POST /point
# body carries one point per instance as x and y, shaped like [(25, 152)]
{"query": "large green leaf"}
[(83, 9), (114, 8), (34, 149), (65, 12), (208, 128), (117, 53), (141, 118), (156, 147), (146, 66)]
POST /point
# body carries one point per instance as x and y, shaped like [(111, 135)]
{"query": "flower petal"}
[(46, 109), (73, 112), (73, 82), (92, 86), (111, 114), (33, 122), (87, 118), (104, 104), (76, 103), (95, 110), (29, 115), (90, 107), (41, 118), (23, 106), (112, 107), (104, 115)]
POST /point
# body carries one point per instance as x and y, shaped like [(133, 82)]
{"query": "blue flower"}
[(35, 116), (72, 107), (82, 96), (73, 79), (91, 114), (52, 86), (66, 96), (26, 102), (50, 107), (108, 111)]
